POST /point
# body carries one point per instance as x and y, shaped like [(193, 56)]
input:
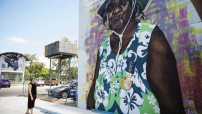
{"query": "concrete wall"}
[(180, 22)]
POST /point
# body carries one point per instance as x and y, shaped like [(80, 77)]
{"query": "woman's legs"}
[(31, 110), (30, 105), (27, 112)]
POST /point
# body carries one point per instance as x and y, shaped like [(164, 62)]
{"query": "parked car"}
[(39, 82), (62, 91), (5, 83), (74, 93), (52, 82)]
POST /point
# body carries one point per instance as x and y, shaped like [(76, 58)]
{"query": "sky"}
[(26, 26)]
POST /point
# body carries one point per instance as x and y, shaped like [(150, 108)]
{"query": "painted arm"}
[(162, 74), (30, 91), (90, 98)]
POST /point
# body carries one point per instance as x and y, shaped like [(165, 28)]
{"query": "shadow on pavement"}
[(45, 111)]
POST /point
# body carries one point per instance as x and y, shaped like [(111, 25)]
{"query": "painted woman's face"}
[(14, 63), (118, 13)]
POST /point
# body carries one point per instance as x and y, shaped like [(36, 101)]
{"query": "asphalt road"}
[(17, 90), (42, 93)]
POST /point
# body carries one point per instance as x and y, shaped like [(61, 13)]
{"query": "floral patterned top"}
[(110, 94)]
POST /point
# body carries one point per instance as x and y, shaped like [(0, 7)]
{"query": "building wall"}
[(12, 66), (181, 24)]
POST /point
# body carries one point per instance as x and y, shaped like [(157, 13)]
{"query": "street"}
[(17, 90), (42, 93)]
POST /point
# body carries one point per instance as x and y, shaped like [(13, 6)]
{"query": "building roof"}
[(15, 53)]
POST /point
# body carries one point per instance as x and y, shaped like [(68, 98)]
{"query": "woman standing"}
[(32, 92)]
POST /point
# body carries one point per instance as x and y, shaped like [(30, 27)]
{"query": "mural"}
[(12, 62), (182, 26)]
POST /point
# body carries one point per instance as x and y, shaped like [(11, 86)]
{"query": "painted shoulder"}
[(144, 30)]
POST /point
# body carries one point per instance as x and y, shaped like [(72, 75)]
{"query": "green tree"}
[(27, 73), (74, 72), (31, 57), (35, 68), (44, 73)]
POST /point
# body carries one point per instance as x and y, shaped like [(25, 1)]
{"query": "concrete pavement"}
[(14, 105), (18, 105)]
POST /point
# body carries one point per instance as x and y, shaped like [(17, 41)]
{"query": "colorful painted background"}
[(182, 27)]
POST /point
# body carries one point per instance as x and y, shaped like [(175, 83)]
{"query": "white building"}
[(12, 66)]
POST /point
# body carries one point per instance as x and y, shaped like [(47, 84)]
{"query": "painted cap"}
[(104, 3)]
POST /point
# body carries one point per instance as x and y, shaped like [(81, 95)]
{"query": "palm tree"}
[(32, 58)]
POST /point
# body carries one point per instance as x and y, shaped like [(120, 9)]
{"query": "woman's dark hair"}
[(138, 11), (31, 78)]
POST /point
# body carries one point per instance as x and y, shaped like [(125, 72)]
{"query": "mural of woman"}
[(136, 69), (12, 61)]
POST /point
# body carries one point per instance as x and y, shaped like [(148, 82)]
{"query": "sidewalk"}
[(18, 105)]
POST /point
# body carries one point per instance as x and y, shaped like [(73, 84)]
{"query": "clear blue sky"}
[(26, 26)]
